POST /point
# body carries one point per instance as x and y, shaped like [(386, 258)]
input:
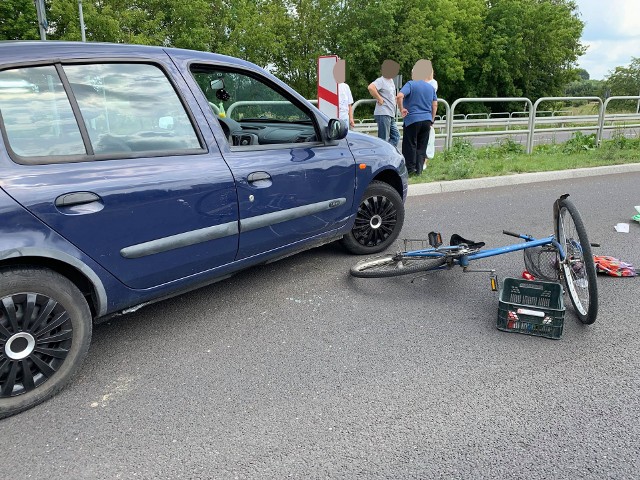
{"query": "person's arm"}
[(352, 124), (434, 109), (373, 90), (399, 101)]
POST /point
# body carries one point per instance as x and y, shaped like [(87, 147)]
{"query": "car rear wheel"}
[(378, 221), (45, 332)]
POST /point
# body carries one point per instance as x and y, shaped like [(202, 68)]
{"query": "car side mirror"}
[(337, 129)]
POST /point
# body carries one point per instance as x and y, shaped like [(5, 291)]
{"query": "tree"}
[(255, 30), (364, 34), (532, 47), (307, 33), (18, 20), (625, 81), (585, 88), (479, 48), (583, 74)]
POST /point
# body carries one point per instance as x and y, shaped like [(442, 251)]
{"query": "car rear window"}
[(37, 116), (127, 109), (130, 108)]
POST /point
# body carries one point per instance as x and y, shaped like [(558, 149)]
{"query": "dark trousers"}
[(414, 145)]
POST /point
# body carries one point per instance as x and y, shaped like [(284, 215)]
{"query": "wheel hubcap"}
[(35, 338), (375, 221)]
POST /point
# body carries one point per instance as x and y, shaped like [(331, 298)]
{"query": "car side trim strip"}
[(259, 221), (180, 240), (227, 229)]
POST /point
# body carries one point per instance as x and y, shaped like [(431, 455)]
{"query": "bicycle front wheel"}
[(578, 268), (395, 265)]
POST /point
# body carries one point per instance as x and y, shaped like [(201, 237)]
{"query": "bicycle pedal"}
[(493, 279), (435, 239)]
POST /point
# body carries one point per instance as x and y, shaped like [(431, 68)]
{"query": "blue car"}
[(130, 174)]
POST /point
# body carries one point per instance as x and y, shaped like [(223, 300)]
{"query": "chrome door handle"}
[(258, 176), (76, 198)]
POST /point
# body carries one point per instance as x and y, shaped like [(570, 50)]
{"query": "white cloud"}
[(611, 33), (603, 56), (613, 18)]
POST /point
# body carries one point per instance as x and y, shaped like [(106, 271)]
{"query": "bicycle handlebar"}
[(507, 232)]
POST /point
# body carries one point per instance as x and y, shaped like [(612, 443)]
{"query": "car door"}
[(134, 184), (292, 186)]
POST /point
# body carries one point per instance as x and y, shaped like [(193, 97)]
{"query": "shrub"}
[(580, 143), (459, 159)]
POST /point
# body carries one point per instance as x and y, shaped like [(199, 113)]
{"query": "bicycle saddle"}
[(458, 240)]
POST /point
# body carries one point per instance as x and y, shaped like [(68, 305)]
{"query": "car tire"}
[(378, 221), (45, 332)]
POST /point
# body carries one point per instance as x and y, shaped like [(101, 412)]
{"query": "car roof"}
[(18, 51)]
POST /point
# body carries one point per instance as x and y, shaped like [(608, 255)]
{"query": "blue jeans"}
[(387, 129)]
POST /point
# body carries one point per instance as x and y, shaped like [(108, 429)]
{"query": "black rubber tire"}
[(378, 222), (57, 336), (390, 266), (581, 267)]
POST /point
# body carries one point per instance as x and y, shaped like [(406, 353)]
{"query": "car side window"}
[(130, 108), (37, 115), (252, 112)]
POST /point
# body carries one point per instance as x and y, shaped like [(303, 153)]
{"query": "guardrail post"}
[(484, 100), (545, 99), (603, 112)]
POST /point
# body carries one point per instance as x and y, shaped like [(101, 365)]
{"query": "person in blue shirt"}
[(418, 104)]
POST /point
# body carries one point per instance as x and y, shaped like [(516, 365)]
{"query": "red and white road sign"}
[(327, 86)]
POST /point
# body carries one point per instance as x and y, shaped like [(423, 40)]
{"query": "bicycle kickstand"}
[(493, 278)]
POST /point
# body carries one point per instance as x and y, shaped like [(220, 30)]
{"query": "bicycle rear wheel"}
[(395, 265), (578, 268)]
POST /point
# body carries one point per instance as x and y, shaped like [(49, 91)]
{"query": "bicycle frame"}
[(571, 250), (464, 260)]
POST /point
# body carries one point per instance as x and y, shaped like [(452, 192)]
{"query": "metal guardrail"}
[(370, 127), (449, 141), (525, 122), (557, 99), (604, 112)]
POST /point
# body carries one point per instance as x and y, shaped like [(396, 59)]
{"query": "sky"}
[(611, 33)]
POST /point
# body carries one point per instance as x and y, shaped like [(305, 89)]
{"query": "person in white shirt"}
[(345, 99), (431, 145)]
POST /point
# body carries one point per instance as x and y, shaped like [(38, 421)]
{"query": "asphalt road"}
[(297, 370)]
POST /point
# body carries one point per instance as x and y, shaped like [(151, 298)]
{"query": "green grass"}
[(508, 157)]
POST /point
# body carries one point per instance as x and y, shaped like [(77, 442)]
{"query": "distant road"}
[(540, 137)]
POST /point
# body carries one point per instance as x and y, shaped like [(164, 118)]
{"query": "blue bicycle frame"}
[(464, 260)]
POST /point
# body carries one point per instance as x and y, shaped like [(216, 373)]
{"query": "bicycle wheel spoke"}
[(393, 266)]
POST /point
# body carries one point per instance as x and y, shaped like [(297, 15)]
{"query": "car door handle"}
[(258, 176), (76, 198)]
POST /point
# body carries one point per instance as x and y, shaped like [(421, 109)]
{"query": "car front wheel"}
[(45, 332), (378, 221)]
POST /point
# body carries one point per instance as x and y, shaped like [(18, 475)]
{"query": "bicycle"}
[(569, 245)]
